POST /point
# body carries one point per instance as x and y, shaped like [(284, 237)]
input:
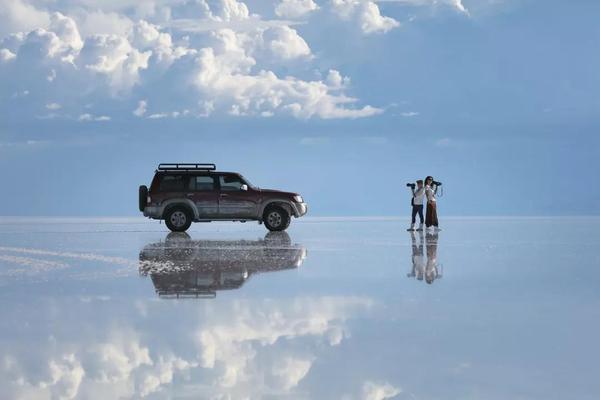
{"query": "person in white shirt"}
[(417, 205), (431, 219)]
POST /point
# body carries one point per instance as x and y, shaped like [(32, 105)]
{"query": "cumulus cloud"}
[(114, 57), (226, 74), (18, 15), (295, 8), (365, 13), (234, 71), (336, 80), (285, 43), (147, 36), (378, 391)]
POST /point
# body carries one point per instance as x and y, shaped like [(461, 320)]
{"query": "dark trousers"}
[(417, 209), (431, 219)]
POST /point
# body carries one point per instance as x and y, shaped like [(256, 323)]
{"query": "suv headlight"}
[(298, 199)]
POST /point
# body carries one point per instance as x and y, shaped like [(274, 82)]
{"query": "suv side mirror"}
[(244, 187)]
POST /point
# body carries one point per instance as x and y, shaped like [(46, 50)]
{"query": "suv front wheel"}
[(178, 219), (276, 218)]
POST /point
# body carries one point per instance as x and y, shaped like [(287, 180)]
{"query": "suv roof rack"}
[(186, 167)]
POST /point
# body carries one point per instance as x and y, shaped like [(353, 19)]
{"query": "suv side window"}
[(172, 183), (202, 183), (230, 183)]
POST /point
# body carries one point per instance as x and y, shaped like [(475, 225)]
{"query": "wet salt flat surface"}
[(336, 309)]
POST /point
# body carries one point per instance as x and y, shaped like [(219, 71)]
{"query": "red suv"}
[(185, 193)]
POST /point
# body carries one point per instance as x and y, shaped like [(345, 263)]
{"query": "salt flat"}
[(489, 308)]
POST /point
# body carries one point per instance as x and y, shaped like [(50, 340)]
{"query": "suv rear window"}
[(172, 183)]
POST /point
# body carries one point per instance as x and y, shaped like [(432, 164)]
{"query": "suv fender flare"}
[(283, 203), (187, 203)]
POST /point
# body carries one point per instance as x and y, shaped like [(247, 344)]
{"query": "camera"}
[(411, 185), (436, 183)]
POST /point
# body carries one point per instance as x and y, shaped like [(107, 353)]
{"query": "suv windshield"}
[(247, 182)]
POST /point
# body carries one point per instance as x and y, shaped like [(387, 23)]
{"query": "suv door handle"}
[(189, 195), (224, 195)]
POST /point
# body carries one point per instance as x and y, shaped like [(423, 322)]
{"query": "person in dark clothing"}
[(418, 194)]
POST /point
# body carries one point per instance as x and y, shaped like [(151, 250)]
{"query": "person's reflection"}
[(421, 267), (418, 261), (180, 266)]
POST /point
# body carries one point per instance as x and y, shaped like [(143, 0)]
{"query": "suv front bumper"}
[(299, 209)]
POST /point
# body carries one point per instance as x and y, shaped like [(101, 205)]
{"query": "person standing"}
[(417, 205), (431, 219)]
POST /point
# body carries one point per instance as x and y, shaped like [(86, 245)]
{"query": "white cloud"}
[(53, 106), (51, 75), (227, 70), (237, 349), (17, 16), (295, 8), (226, 76), (409, 114), (66, 30), (158, 115), (96, 21), (146, 36), (285, 43), (233, 342), (162, 373), (459, 6), (7, 55), (114, 57), (336, 80), (66, 376), (89, 117), (456, 4), (141, 108), (378, 391), (290, 371), (365, 13)]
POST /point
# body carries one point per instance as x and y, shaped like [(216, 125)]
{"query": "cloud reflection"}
[(140, 346)]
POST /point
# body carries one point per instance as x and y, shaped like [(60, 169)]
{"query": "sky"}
[(343, 101)]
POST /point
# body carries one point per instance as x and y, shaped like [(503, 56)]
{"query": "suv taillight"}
[(148, 199)]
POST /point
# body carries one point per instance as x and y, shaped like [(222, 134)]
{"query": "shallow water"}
[(497, 308)]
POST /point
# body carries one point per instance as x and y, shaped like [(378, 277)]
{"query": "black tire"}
[(142, 197), (178, 219), (175, 238), (276, 219), (278, 239)]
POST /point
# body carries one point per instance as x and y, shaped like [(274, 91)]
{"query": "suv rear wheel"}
[(276, 218), (178, 219)]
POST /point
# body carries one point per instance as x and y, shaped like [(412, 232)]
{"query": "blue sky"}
[(342, 101)]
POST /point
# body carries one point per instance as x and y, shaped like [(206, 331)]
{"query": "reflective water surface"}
[(333, 309)]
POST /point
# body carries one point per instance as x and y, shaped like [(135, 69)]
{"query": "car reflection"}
[(182, 267), (423, 267)]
